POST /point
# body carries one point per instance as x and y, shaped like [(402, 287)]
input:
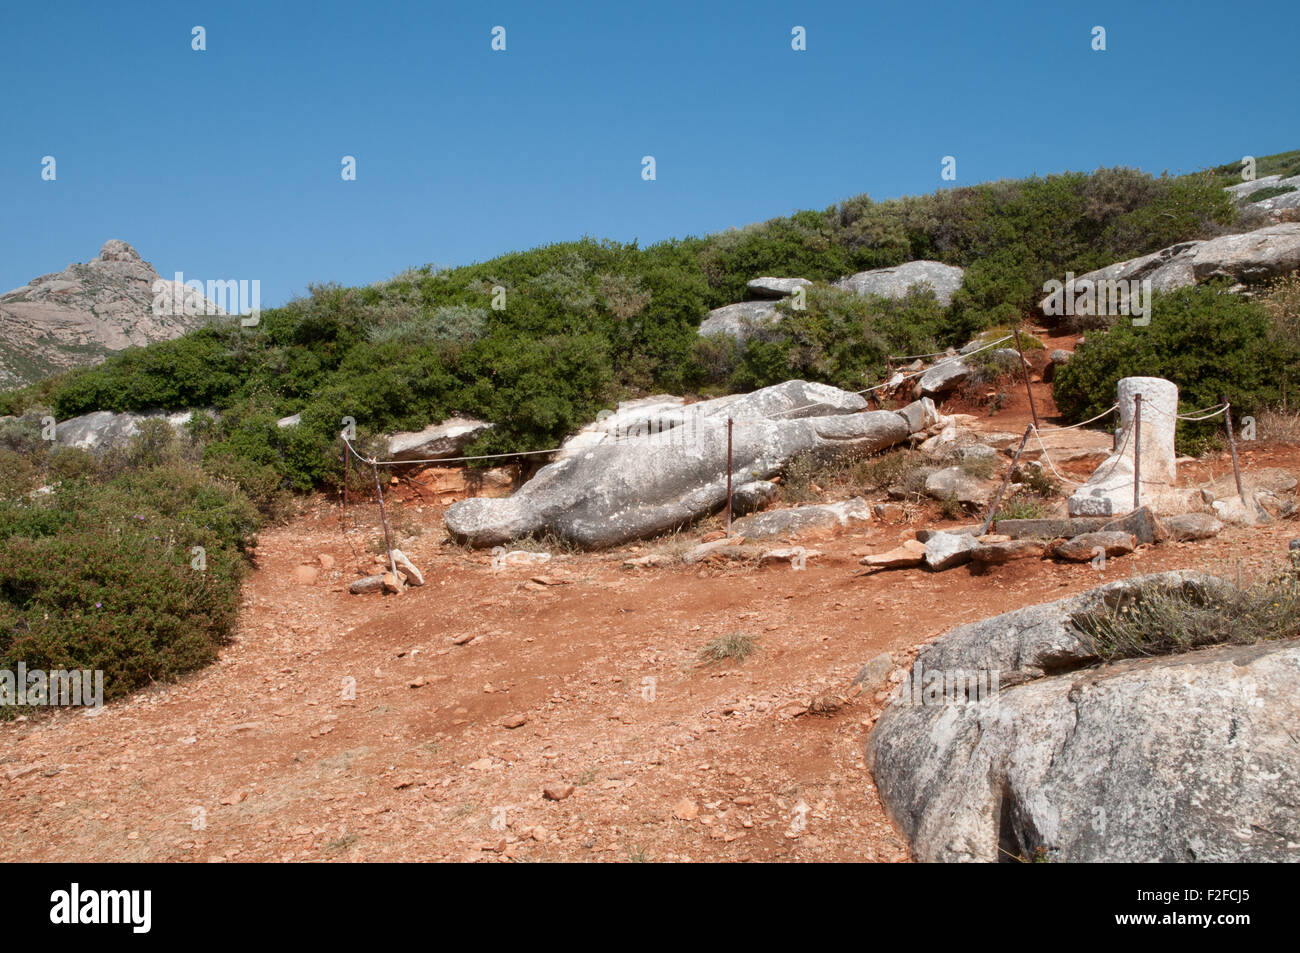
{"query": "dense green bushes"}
[(101, 575), (837, 338), (1209, 342)]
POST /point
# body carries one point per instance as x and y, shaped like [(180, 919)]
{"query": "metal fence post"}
[(1137, 448), (1025, 367), (729, 425), (993, 507), (1232, 445), (383, 518)]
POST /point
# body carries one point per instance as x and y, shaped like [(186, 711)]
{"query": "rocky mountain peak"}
[(82, 314), (117, 250)]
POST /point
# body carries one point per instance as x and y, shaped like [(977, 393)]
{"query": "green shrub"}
[(1209, 342), (262, 484), (1269, 192), (838, 338), (23, 433), (902, 467), (1022, 507), (99, 576), (19, 474), (1282, 305)]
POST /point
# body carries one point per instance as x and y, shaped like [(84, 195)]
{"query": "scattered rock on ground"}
[(367, 584), (800, 518), (890, 512), (996, 553), (944, 377), (1192, 526), (1238, 513), (955, 483), (920, 415), (1082, 549), (911, 553), (872, 675), (795, 555), (752, 496), (947, 550), (704, 550), (413, 575)]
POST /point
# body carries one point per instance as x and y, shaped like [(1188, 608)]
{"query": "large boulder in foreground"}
[(1037, 750), (896, 282), (621, 490)]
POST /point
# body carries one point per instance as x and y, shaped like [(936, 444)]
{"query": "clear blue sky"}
[(225, 163)]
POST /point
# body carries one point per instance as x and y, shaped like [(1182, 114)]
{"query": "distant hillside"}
[(84, 313)]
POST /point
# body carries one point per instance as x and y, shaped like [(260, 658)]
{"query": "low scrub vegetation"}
[(1162, 620), (1023, 506), (808, 476), (130, 565), (735, 647)]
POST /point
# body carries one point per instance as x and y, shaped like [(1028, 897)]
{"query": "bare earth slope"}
[(261, 757)]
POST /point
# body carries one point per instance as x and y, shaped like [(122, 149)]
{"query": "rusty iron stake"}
[(383, 518), (1137, 448), (993, 507), (1232, 445), (1025, 367)]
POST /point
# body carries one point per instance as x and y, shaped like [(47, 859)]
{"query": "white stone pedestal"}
[(1109, 491)]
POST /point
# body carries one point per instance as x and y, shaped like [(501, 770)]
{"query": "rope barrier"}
[(1084, 423), (915, 357), (1190, 416), (1048, 457), (1206, 417)]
